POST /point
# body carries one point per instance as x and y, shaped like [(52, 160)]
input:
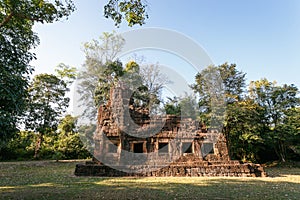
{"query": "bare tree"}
[(153, 79)]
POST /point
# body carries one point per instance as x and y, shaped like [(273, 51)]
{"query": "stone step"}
[(240, 170)]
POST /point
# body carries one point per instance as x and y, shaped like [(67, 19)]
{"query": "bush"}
[(20, 147)]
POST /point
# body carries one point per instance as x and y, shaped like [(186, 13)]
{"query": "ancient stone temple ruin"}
[(131, 142)]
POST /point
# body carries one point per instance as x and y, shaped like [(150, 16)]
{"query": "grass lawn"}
[(55, 180)]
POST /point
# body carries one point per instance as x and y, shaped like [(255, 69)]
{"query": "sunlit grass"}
[(55, 180)]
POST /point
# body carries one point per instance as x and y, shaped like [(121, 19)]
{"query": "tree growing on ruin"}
[(99, 71)]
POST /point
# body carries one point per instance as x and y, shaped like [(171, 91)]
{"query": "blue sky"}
[(261, 37)]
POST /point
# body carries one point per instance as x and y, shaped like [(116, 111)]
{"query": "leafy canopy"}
[(17, 18), (133, 11)]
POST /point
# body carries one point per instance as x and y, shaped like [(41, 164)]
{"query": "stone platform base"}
[(207, 169)]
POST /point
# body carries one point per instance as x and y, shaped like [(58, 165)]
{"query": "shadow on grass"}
[(282, 171), (51, 180)]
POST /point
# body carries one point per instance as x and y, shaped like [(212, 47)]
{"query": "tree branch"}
[(20, 15), (7, 19), (33, 19)]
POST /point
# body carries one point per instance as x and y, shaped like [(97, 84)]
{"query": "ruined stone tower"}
[(128, 142)]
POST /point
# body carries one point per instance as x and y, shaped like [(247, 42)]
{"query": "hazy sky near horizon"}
[(261, 37)]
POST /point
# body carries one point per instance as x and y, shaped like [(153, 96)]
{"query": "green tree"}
[(218, 86), (278, 113), (17, 18), (242, 129), (237, 115), (47, 103), (66, 73), (133, 11), (290, 129), (112, 71), (132, 79), (69, 144), (172, 106), (20, 147)]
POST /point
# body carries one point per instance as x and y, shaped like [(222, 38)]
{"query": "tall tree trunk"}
[(282, 151), (38, 145)]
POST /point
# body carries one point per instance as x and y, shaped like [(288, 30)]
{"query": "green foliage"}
[(132, 66), (47, 148), (143, 95), (264, 121), (172, 106), (66, 73), (47, 103), (232, 83), (217, 86), (133, 80), (69, 144), (109, 77), (241, 122), (134, 11), (185, 106), (20, 147), (233, 80), (103, 50), (291, 125), (63, 143), (17, 18), (279, 115), (242, 129), (34, 11)]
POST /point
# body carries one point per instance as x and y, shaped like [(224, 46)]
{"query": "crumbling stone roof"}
[(128, 142)]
